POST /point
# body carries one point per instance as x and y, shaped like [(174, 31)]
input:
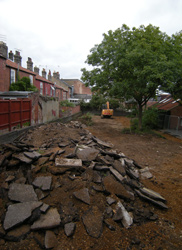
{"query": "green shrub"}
[(66, 103), (86, 119), (22, 85), (150, 118)]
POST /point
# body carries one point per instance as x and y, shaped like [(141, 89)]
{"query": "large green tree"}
[(132, 63)]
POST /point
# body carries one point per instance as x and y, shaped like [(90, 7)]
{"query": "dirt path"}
[(164, 159)]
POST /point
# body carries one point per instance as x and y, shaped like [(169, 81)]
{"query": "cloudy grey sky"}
[(59, 34)]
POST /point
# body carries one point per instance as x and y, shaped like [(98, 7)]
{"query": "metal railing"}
[(171, 123)]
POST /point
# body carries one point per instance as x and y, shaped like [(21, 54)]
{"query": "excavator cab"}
[(106, 111)]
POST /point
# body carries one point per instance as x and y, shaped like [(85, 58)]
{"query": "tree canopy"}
[(133, 63)]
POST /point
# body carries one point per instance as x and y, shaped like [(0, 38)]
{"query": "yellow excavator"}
[(106, 111)]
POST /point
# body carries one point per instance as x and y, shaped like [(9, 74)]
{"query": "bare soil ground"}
[(163, 156), (164, 159)]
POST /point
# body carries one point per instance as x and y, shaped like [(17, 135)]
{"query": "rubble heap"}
[(67, 180)]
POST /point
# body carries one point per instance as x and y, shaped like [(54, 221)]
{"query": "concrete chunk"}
[(49, 220), (43, 182), (68, 163), (127, 219), (69, 229), (18, 213), (83, 195), (22, 192), (86, 153)]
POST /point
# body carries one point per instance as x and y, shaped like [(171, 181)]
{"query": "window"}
[(46, 90), (31, 79), (41, 88), (12, 77)]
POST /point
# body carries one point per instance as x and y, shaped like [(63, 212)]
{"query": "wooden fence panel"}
[(14, 112)]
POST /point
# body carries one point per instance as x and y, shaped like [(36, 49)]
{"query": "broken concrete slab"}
[(133, 173), (63, 144), (110, 200), (145, 173), (118, 215), (43, 182), (68, 163), (42, 160), (18, 213), (22, 158), (152, 194), (47, 221), (86, 153), (69, 229), (93, 222), (44, 208), (83, 195), (119, 167), (116, 174), (102, 143), (114, 187), (158, 203), (22, 192), (127, 219), (50, 240), (32, 155)]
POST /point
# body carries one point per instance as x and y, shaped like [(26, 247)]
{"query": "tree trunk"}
[(139, 116)]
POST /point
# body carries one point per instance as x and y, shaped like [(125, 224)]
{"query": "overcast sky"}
[(59, 34)]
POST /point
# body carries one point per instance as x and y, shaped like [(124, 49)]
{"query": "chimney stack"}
[(49, 76), (3, 50), (11, 55), (56, 75), (17, 57), (30, 64), (44, 73), (36, 70)]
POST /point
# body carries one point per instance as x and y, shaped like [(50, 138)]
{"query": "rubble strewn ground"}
[(65, 186)]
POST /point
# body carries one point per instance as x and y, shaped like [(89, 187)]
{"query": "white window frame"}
[(31, 79), (12, 76), (41, 88)]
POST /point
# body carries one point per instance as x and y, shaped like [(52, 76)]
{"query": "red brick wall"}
[(177, 111), (80, 88), (4, 75)]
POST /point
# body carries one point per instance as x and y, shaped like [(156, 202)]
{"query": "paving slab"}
[(50, 240), (22, 192), (18, 213), (83, 195), (68, 163), (69, 229), (47, 221), (86, 153), (43, 182)]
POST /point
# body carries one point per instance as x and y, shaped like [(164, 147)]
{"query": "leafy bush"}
[(66, 103), (150, 118), (22, 85), (86, 119)]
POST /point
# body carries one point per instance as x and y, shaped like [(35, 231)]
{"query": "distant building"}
[(51, 85), (79, 90)]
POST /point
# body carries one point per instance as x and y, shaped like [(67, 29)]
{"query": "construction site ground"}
[(162, 155)]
